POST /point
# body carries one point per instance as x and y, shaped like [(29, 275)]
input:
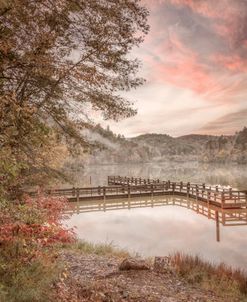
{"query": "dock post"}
[(208, 203), (217, 226), (188, 189), (223, 199), (77, 201), (77, 195), (104, 193)]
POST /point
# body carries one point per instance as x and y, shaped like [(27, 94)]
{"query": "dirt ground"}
[(98, 279)]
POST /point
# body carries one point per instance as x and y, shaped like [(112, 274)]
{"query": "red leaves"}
[(33, 226)]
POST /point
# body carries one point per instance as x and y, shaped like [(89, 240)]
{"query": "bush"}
[(30, 232)]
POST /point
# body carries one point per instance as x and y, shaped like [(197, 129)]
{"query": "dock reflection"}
[(225, 217)]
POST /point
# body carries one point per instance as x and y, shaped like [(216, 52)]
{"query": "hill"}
[(153, 147)]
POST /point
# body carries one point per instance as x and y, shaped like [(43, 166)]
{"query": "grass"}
[(223, 280), (227, 282), (103, 249)]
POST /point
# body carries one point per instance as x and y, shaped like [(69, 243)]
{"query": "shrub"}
[(30, 232)]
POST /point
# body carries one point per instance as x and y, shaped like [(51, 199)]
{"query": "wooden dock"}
[(125, 187)]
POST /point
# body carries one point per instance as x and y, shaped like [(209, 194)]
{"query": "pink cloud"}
[(181, 66), (229, 17), (232, 63)]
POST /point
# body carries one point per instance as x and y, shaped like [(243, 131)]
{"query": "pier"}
[(125, 187)]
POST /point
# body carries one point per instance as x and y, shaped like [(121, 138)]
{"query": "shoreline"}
[(93, 273)]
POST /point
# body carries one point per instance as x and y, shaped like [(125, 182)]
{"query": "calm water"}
[(160, 230), (234, 175)]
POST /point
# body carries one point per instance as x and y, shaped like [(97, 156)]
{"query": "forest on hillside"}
[(112, 148)]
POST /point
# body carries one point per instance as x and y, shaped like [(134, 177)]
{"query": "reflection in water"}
[(160, 225), (211, 174)]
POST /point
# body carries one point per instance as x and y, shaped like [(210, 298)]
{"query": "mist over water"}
[(212, 174)]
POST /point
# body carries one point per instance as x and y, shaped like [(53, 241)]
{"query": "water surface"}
[(212, 174), (158, 228)]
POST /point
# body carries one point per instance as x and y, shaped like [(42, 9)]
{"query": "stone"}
[(133, 264), (163, 265)]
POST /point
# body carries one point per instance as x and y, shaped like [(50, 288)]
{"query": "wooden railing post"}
[(223, 199), (188, 189), (77, 195), (208, 203), (197, 191)]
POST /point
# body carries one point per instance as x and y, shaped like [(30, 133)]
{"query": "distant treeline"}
[(145, 148)]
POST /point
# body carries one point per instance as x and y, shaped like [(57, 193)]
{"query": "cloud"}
[(195, 63), (189, 45), (230, 123)]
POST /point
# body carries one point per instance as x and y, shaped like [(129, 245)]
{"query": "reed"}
[(222, 279)]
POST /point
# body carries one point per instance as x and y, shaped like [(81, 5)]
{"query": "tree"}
[(59, 62)]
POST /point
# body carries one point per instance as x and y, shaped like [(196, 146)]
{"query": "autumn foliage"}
[(30, 232), (59, 62)]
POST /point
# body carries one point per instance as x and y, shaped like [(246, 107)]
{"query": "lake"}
[(212, 174), (165, 226)]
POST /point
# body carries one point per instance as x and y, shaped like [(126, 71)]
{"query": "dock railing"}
[(125, 187)]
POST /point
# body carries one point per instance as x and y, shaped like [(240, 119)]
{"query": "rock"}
[(133, 264), (163, 265)]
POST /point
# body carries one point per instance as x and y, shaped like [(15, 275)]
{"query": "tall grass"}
[(224, 280), (103, 249)]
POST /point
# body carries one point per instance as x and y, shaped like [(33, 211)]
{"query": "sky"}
[(194, 60)]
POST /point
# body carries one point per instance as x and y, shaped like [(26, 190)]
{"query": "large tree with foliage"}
[(59, 62)]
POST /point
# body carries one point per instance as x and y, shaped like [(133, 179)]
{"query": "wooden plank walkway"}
[(124, 187), (215, 195)]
